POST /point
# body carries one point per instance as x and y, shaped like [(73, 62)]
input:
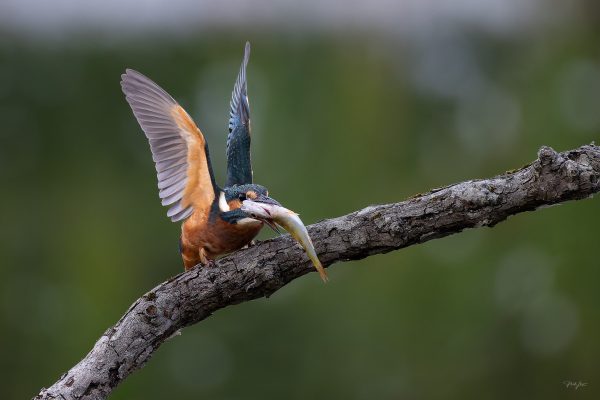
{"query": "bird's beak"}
[(266, 200), (268, 210)]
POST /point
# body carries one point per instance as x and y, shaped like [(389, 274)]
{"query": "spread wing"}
[(239, 166), (180, 153)]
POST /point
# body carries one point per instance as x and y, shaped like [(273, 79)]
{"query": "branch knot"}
[(547, 155)]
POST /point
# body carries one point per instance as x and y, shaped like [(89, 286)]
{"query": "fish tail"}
[(320, 270), (323, 275)]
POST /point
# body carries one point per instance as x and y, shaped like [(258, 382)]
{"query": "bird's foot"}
[(210, 263), (205, 261), (251, 243)]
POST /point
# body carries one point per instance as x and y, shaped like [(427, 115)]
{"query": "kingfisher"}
[(214, 221)]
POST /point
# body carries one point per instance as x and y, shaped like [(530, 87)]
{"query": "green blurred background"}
[(352, 105)]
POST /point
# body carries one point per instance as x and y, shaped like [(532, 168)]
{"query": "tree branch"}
[(259, 271)]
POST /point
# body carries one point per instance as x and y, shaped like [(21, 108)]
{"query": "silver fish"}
[(290, 221)]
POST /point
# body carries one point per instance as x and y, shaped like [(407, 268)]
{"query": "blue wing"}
[(239, 166)]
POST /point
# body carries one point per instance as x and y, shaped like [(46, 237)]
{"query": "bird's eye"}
[(242, 196)]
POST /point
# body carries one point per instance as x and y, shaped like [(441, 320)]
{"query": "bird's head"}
[(258, 204), (233, 197)]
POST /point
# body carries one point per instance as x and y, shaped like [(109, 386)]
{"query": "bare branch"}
[(261, 270)]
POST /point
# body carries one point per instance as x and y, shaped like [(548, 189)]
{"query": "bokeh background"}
[(353, 104)]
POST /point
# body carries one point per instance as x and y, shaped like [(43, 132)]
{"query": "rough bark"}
[(262, 269)]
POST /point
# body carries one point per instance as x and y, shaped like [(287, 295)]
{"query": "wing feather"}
[(172, 189), (172, 172), (185, 178), (170, 181), (168, 142), (239, 166), (169, 154), (180, 215)]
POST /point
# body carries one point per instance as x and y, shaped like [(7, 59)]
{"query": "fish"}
[(276, 215)]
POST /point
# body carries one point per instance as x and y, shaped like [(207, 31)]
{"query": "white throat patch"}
[(223, 206)]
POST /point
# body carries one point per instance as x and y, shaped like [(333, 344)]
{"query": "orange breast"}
[(215, 237)]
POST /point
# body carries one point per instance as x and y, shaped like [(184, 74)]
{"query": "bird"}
[(213, 223)]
